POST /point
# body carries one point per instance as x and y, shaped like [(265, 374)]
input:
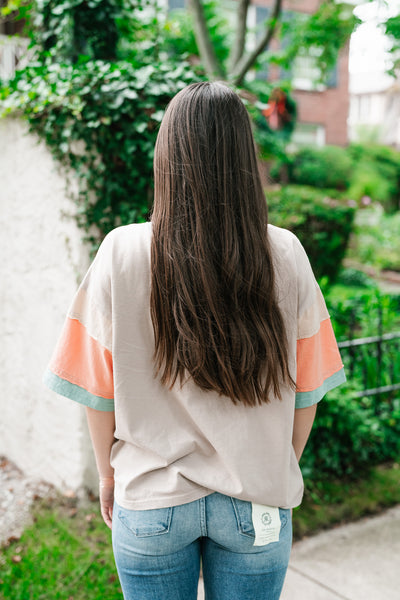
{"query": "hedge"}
[(322, 223)]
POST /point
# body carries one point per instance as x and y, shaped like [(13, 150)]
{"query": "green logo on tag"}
[(266, 518)]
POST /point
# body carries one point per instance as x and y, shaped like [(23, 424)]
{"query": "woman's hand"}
[(106, 493)]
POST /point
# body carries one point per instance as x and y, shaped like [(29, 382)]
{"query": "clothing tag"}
[(266, 523)]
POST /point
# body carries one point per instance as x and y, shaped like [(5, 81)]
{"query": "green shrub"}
[(376, 174), (351, 277), (343, 437), (366, 312), (322, 223), (354, 432), (364, 170), (368, 182), (351, 434), (376, 239), (327, 167)]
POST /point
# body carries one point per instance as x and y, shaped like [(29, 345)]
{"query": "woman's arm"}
[(303, 422), (102, 428)]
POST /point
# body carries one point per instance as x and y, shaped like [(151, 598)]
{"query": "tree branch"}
[(202, 35), (240, 34), (248, 61)]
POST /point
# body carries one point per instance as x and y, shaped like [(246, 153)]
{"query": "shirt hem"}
[(306, 399), (161, 502), (78, 394)]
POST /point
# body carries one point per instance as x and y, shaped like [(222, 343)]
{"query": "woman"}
[(200, 344)]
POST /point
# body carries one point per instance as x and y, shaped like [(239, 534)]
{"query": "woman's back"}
[(178, 445)]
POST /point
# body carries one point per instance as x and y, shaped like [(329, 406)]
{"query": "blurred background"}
[(83, 88)]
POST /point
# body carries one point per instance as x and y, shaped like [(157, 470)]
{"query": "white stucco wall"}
[(42, 260)]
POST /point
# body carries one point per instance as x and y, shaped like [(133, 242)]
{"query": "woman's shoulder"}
[(125, 245), (288, 252), (282, 239), (125, 233), (131, 237)]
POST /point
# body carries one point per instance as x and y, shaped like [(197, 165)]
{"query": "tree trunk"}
[(206, 49), (240, 37), (248, 61)]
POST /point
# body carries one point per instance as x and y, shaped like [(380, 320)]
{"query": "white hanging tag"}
[(266, 523)]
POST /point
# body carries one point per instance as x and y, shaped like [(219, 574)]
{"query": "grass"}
[(66, 553), (331, 503)]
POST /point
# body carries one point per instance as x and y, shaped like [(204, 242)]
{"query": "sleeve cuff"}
[(77, 393), (305, 399)]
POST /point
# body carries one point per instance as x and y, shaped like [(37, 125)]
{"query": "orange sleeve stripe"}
[(83, 361), (317, 358)]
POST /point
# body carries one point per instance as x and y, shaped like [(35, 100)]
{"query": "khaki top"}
[(177, 446)]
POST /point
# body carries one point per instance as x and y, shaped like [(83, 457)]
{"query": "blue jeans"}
[(158, 552)]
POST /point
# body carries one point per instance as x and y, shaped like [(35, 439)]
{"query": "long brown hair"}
[(213, 304)]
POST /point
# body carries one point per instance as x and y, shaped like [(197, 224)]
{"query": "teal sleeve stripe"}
[(77, 393), (305, 399)]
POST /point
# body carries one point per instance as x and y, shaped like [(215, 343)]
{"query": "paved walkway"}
[(359, 561)]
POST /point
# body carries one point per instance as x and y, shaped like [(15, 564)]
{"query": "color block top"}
[(177, 446)]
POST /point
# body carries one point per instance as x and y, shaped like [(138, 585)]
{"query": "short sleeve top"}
[(175, 446)]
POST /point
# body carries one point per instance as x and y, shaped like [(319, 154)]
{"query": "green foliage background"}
[(353, 432), (322, 223), (359, 171), (104, 72), (96, 92)]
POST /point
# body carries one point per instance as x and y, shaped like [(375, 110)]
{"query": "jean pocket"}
[(244, 518), (242, 510), (146, 523)]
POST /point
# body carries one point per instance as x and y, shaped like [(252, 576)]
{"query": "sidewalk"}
[(359, 561)]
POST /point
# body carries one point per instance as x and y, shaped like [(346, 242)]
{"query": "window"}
[(333, 77), (308, 134), (306, 73), (173, 4), (364, 107)]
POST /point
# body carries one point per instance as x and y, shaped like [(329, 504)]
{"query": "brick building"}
[(322, 110)]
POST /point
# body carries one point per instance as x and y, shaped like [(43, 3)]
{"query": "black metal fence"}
[(375, 361)]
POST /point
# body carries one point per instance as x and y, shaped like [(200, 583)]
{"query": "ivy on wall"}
[(98, 104), (101, 119)]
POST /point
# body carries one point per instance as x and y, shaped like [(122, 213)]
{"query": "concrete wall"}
[(42, 260)]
